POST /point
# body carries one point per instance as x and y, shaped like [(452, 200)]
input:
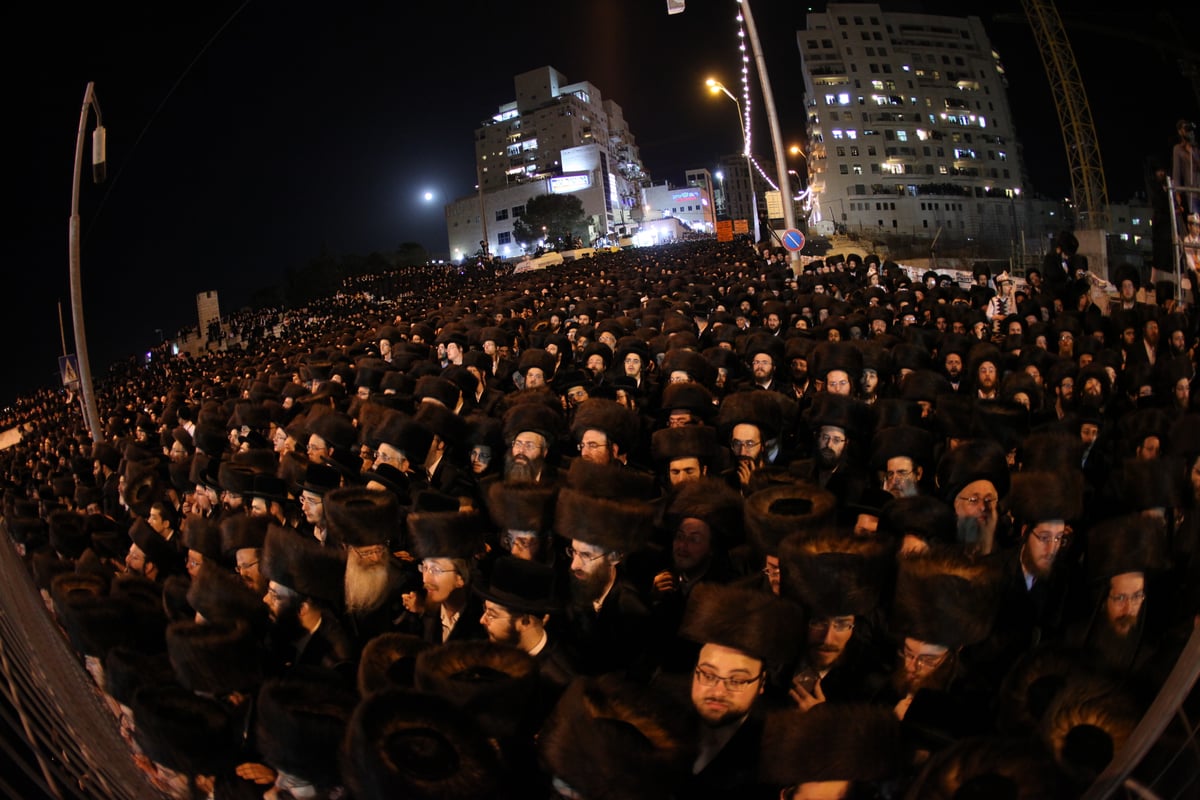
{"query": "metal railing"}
[(75, 749)]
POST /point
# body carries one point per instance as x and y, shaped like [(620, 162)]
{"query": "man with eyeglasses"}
[(1116, 638), (836, 422), (518, 600), (607, 620), (447, 544), (531, 430), (605, 430), (743, 633), (837, 580), (973, 478), (944, 603), (318, 480), (1037, 574), (366, 521)]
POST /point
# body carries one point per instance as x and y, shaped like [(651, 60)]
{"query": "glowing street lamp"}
[(716, 87)]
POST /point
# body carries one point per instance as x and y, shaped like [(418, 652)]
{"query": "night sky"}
[(247, 138)]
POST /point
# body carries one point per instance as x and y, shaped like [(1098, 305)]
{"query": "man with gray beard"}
[(366, 520)]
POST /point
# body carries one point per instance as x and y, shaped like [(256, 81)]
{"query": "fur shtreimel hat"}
[(611, 482), (362, 517), (991, 767), (835, 576), (714, 502), (690, 441), (242, 532), (301, 564), (751, 621), (764, 410), (923, 516), (1088, 721), (610, 737), (778, 511), (183, 731), (220, 595), (301, 723), (494, 683), (945, 597), (842, 742), (203, 534), (389, 661), (446, 534), (1128, 543), (334, 427), (412, 744), (215, 657), (521, 506), (902, 440), (618, 423), (615, 525), (534, 416), (970, 461), (1036, 496)]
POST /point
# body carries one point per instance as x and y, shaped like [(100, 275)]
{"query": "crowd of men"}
[(669, 522)]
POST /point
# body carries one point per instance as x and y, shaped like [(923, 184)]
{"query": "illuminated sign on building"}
[(564, 184), (684, 195)]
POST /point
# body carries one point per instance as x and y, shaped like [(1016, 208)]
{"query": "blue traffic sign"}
[(793, 239)]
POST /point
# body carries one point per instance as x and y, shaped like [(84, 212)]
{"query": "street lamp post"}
[(91, 414), (716, 86), (789, 213)]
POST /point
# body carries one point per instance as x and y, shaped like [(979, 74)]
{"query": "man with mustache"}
[(532, 430), (1037, 573), (1122, 551), (608, 622), (837, 581), (944, 604)]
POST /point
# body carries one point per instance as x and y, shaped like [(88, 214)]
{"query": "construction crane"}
[(1088, 188)]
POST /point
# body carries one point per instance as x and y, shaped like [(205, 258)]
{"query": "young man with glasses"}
[(743, 634), (837, 580), (447, 544)]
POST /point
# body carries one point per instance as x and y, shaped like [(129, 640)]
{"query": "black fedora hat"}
[(525, 587)]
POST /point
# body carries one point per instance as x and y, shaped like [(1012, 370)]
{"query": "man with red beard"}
[(366, 521), (984, 370)]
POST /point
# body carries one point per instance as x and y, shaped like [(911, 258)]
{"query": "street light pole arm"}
[(91, 414)]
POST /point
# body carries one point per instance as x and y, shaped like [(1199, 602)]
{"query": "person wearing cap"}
[(518, 600), (1004, 302), (764, 356)]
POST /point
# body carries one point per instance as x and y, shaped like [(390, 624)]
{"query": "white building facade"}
[(909, 126), (555, 136)]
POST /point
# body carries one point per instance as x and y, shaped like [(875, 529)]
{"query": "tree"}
[(558, 217)]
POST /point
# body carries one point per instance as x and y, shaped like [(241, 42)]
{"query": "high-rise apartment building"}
[(555, 136), (909, 126)]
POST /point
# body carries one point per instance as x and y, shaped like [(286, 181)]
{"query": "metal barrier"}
[(75, 749)]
